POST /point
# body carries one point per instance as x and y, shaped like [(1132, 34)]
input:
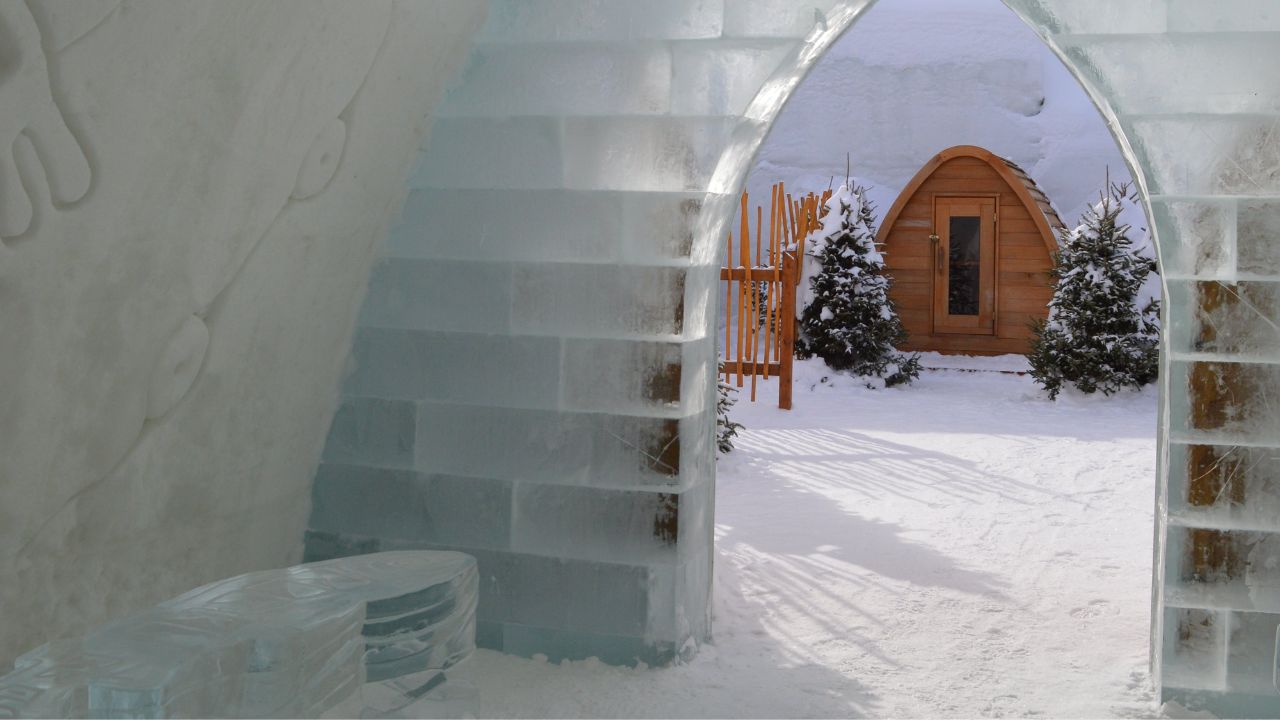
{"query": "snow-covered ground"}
[(958, 547)]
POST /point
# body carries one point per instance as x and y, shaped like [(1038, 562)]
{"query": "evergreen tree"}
[(850, 322), (1103, 332), (726, 429)]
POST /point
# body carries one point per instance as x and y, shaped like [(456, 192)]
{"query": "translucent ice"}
[(279, 643), (567, 80), (1262, 575), (537, 352)]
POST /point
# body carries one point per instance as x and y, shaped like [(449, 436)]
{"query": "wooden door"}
[(964, 264)]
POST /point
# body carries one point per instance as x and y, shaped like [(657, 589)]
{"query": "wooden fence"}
[(760, 314)]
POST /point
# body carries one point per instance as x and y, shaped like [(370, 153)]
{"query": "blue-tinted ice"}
[(295, 642)]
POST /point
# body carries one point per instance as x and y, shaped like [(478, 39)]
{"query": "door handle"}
[(937, 249)]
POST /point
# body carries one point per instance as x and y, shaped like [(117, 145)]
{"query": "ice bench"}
[(366, 635)]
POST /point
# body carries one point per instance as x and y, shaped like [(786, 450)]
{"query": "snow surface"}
[(913, 77), (957, 547), (993, 363)]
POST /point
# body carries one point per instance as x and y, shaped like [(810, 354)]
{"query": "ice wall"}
[(1194, 90), (191, 195), (533, 363)]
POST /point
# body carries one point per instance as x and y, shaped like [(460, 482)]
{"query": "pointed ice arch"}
[(554, 276)]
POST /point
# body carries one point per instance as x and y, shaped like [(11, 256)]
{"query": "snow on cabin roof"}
[(1042, 200)]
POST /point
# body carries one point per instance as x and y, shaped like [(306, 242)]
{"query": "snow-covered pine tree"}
[(726, 429), (1103, 331), (850, 322)]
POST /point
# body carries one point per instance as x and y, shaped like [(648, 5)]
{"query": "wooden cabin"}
[(969, 245)]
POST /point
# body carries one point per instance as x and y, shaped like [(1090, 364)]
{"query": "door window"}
[(964, 283)]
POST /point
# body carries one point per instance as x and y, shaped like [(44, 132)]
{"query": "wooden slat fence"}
[(760, 293)]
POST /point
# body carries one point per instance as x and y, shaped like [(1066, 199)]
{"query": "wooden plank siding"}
[(1023, 283)]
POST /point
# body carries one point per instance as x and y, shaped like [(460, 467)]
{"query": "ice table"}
[(370, 634)]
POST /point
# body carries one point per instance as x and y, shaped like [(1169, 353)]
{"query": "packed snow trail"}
[(957, 547)]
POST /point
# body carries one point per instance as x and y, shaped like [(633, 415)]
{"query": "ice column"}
[(1194, 89), (362, 636), (533, 368)]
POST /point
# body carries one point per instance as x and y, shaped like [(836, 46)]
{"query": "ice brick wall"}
[(1193, 89), (534, 364)]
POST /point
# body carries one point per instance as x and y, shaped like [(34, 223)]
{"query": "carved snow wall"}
[(533, 367), (191, 196)]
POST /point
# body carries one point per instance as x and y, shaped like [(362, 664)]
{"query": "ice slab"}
[(373, 431), (1258, 237), (660, 153), (1221, 15), (439, 295), (1226, 318), (404, 505), (580, 79), (598, 300), (608, 524), (1202, 155), (470, 368), (502, 152), (564, 448), (648, 227), (723, 79), (1199, 236), (1195, 648), (293, 642), (1211, 81), (776, 18), (521, 21), (1224, 401), (1132, 17), (1224, 486), (1251, 658), (637, 376)]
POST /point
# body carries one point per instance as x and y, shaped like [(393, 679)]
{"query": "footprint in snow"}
[(1092, 610)]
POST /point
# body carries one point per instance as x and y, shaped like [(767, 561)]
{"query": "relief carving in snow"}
[(202, 183), (37, 148)]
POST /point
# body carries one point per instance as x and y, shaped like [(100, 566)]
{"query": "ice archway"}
[(551, 279)]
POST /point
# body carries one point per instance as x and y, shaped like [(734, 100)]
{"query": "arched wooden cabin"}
[(969, 246)]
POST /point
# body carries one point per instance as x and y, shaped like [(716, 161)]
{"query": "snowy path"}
[(960, 547)]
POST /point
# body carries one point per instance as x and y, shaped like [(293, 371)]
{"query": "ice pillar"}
[(534, 365), (1193, 89)]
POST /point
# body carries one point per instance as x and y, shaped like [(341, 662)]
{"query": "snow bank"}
[(914, 77), (992, 363)]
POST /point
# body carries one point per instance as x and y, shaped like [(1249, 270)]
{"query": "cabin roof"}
[(1023, 186), (1042, 200)]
